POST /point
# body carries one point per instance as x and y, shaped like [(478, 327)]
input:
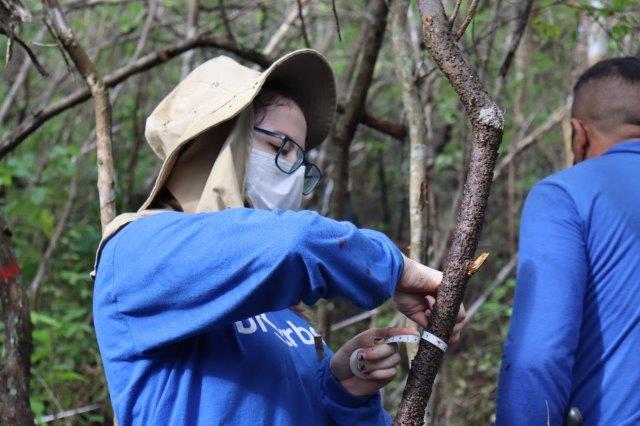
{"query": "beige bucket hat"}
[(221, 88), (218, 91)]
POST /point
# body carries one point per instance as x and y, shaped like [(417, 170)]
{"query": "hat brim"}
[(308, 77)]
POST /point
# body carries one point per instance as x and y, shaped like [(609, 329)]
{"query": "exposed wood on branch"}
[(487, 124), (501, 277)]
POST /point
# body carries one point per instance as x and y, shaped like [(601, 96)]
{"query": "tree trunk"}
[(487, 124), (16, 358), (418, 185)]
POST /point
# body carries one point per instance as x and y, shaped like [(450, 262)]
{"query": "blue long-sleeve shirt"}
[(192, 319), (575, 330)]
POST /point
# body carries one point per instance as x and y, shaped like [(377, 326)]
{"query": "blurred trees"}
[(141, 49)]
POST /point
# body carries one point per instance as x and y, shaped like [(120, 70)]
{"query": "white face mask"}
[(268, 188)]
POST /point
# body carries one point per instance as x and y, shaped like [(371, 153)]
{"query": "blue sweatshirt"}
[(192, 319), (575, 329)]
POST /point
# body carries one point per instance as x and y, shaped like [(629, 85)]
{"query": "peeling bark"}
[(16, 350), (487, 124)]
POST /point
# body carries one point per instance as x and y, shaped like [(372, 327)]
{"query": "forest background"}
[(141, 49)]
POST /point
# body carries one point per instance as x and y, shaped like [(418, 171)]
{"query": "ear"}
[(579, 141)]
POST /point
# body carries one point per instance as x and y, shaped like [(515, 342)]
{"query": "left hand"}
[(377, 359)]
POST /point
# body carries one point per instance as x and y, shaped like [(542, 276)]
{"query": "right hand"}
[(416, 294), (416, 284)]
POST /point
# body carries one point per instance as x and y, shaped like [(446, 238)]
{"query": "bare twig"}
[(142, 41), (32, 56), (13, 90), (303, 27), (69, 413), (192, 29), (470, 14), (279, 34), (336, 18), (395, 130), (354, 319), (454, 14), (519, 25), (225, 21)]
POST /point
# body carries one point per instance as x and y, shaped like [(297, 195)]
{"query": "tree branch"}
[(39, 117), (470, 14), (487, 124), (346, 124), (418, 182), (102, 108), (203, 40), (519, 24)]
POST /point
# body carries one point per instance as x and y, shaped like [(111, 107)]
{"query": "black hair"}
[(625, 68), (271, 94), (607, 95)]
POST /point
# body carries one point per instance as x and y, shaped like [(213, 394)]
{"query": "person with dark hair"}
[(572, 350), (195, 294)]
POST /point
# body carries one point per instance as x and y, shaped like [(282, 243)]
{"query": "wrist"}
[(335, 391)]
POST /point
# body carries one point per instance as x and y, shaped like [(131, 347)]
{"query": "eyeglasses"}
[(312, 173)]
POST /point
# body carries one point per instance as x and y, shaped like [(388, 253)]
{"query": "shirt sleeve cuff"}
[(337, 394)]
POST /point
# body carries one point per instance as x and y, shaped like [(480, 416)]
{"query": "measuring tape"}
[(401, 338), (408, 338)]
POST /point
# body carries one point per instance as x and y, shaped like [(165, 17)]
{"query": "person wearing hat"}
[(193, 293)]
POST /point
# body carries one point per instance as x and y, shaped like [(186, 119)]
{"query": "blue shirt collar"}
[(629, 145)]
